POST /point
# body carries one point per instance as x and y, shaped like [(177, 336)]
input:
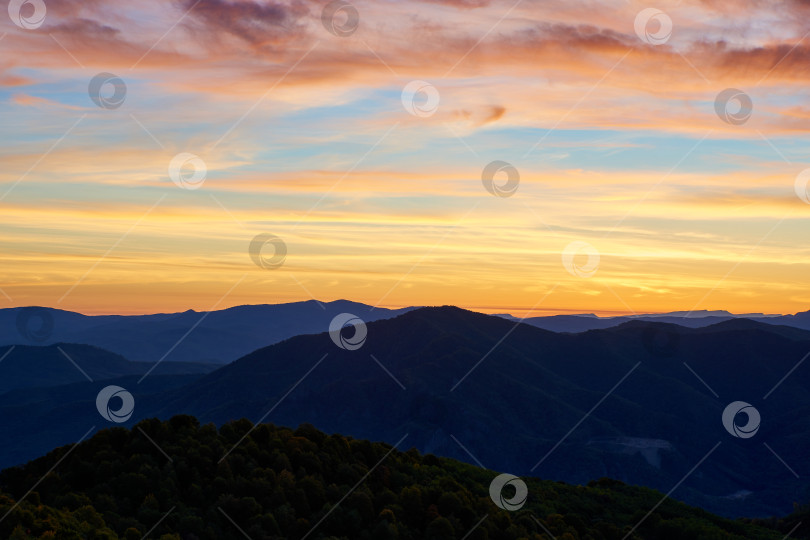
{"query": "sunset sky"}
[(305, 136)]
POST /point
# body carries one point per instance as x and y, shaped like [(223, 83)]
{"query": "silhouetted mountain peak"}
[(449, 321), (748, 325), (441, 312), (740, 324), (640, 324), (698, 313)]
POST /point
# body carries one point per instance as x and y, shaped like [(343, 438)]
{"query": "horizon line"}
[(484, 309)]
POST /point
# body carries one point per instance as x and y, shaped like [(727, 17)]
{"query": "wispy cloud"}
[(613, 120)]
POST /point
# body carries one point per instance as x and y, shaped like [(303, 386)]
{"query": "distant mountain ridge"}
[(225, 335), (693, 319), (210, 337)]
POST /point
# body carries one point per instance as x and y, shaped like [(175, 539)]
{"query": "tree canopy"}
[(177, 480)]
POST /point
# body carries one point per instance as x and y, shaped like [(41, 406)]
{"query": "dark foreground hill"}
[(171, 480)]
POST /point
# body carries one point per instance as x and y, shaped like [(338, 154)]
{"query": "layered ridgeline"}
[(47, 393), (225, 335), (176, 479), (192, 336), (25, 366), (642, 403), (691, 319)]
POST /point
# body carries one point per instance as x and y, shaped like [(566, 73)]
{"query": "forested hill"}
[(168, 480)]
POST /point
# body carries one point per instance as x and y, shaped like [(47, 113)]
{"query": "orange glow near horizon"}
[(309, 136)]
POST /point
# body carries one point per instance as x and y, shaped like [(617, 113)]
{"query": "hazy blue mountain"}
[(511, 394), (25, 366), (789, 332), (210, 337), (225, 335), (34, 420), (47, 393), (690, 319), (568, 323), (799, 320)]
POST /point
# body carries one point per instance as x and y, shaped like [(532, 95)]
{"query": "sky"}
[(529, 157)]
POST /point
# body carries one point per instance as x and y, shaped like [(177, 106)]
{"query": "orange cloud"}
[(197, 67), (35, 101)]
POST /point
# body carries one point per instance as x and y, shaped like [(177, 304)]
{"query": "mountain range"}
[(215, 337), (641, 402), (691, 319), (222, 336)]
